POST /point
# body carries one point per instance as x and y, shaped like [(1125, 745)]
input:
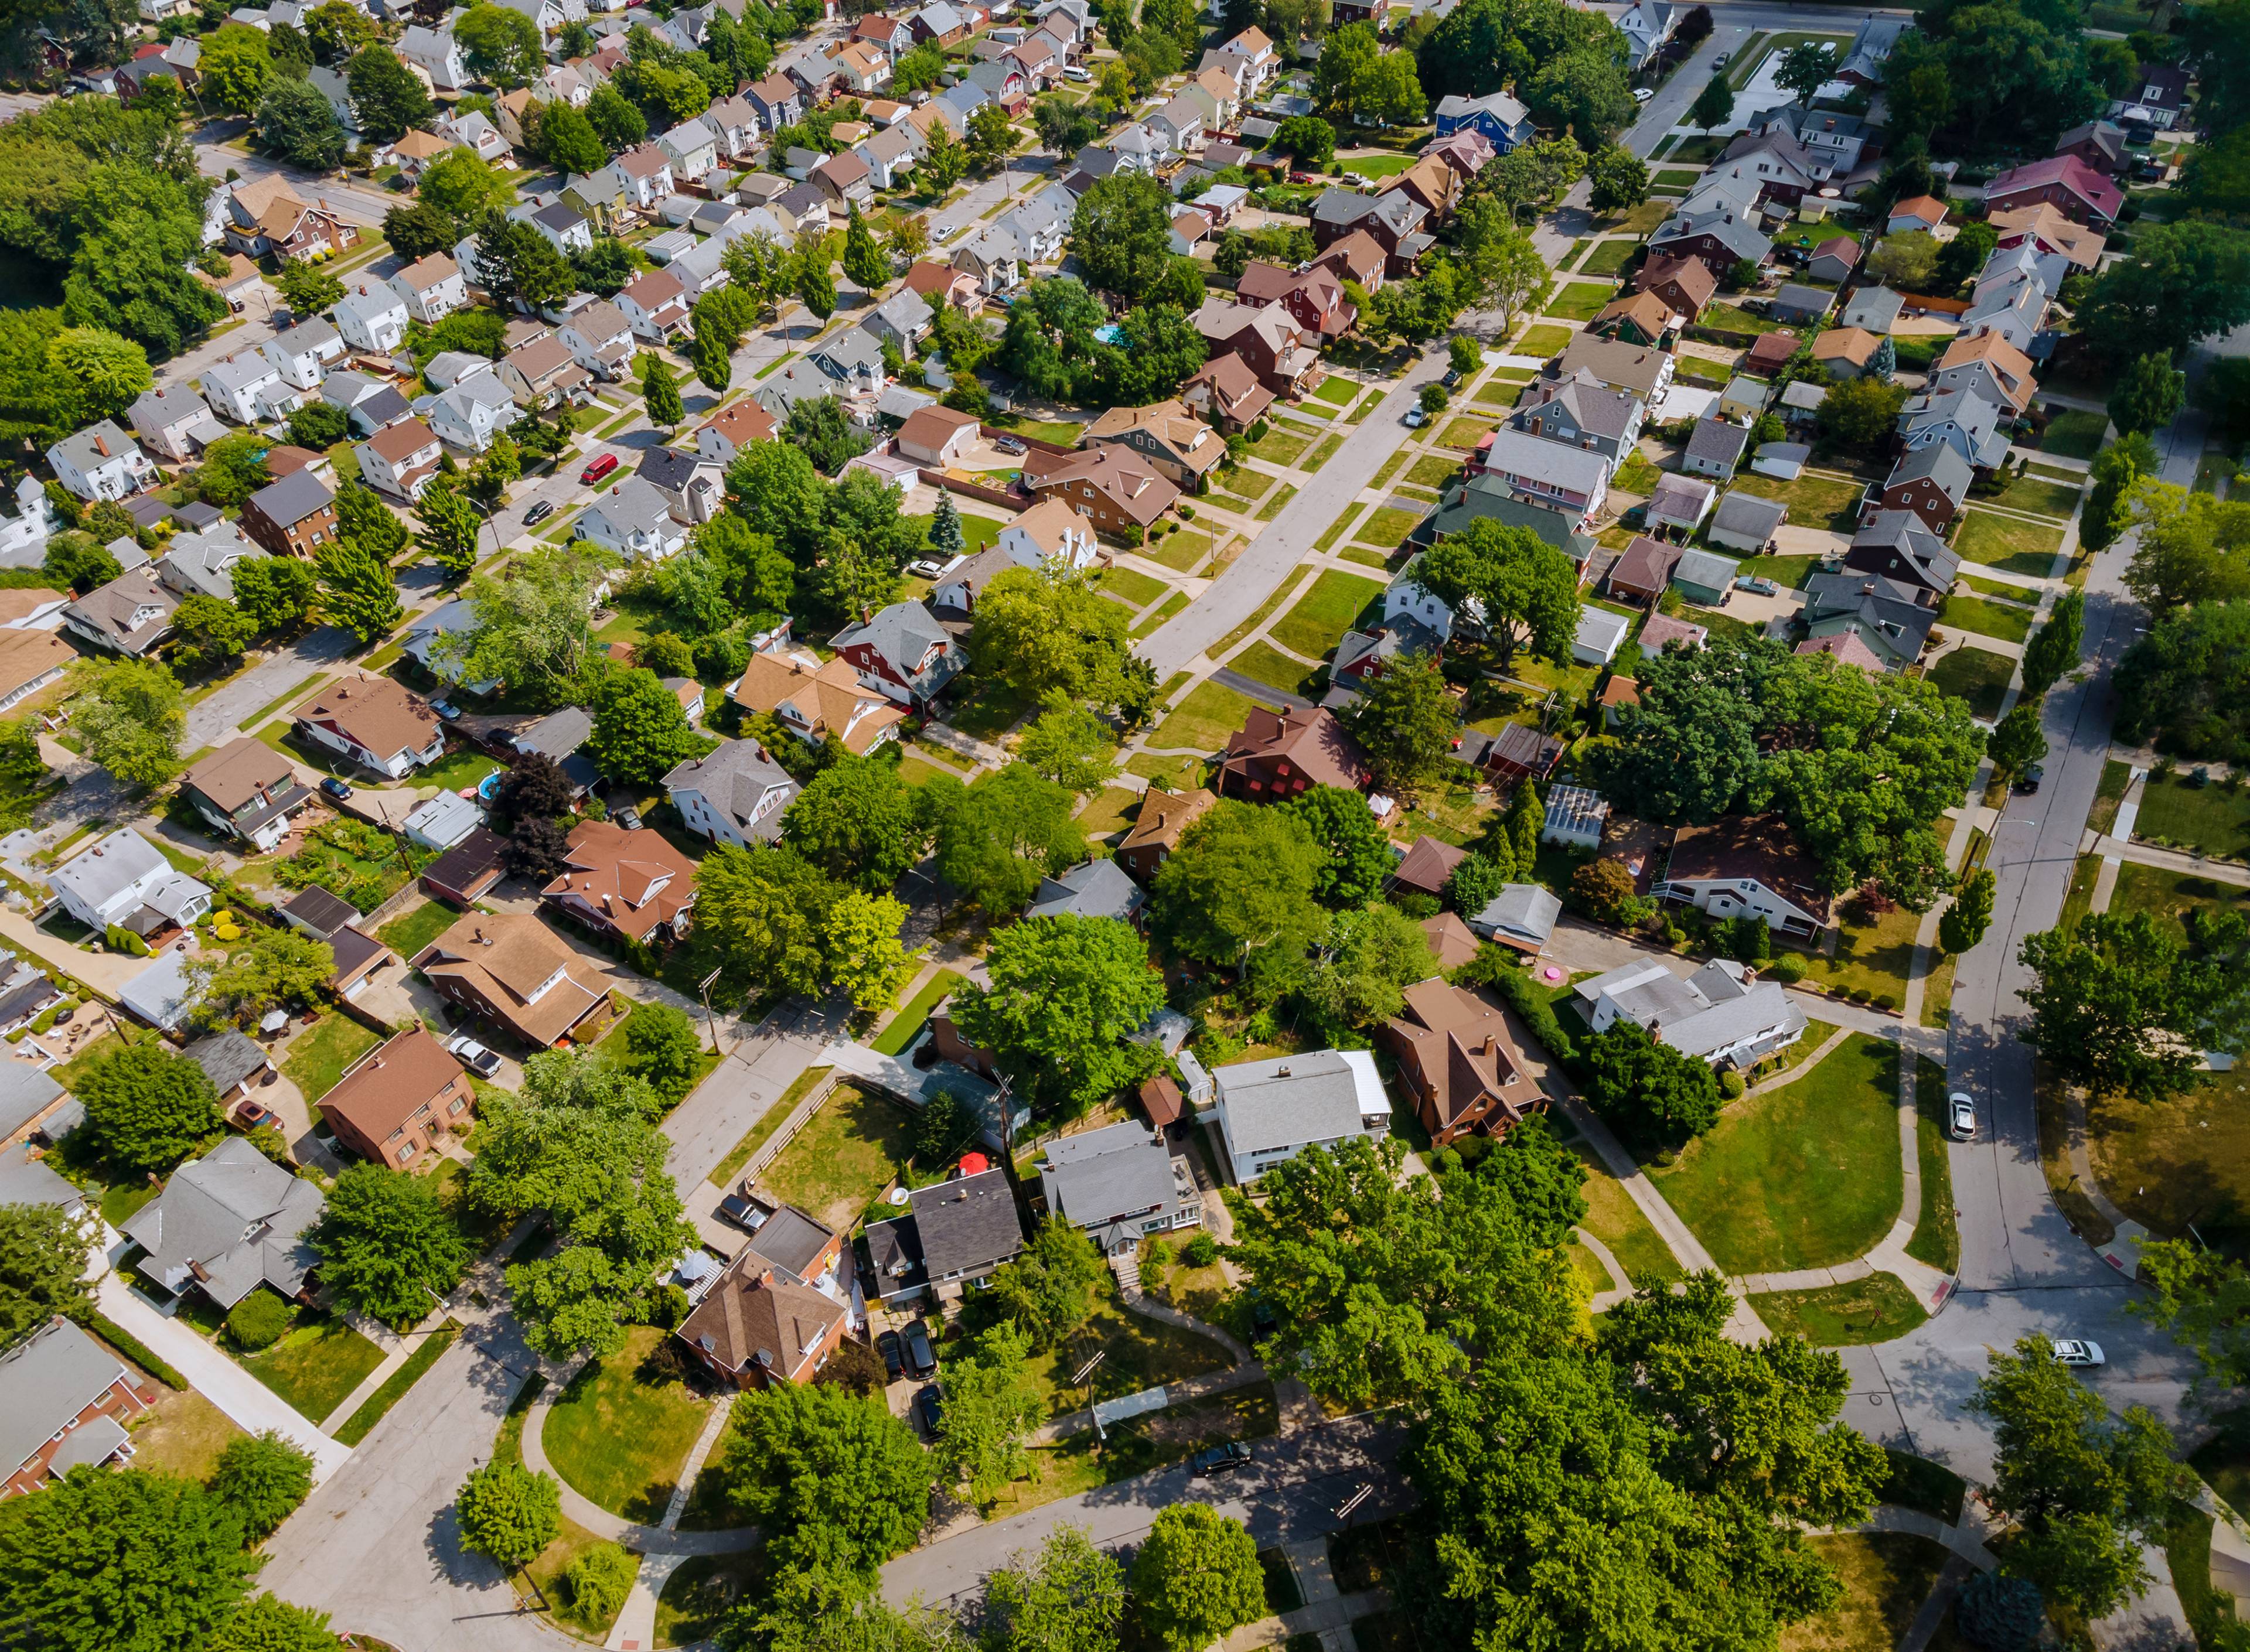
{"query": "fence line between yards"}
[(800, 1117)]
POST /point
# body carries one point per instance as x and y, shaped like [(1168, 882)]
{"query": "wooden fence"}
[(800, 1116)]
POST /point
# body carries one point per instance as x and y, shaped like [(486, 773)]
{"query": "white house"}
[(472, 412), (172, 420), (432, 288), (1049, 533), (692, 148), (372, 318), (1723, 1014), (100, 462), (123, 880), (645, 175), (1407, 598), (1271, 1111), (437, 54), (633, 519), (245, 388), (1601, 633), (376, 722), (600, 339), (302, 354), (400, 459), (1746, 866), (733, 795)]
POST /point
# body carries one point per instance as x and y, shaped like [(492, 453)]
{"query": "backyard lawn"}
[(2074, 433), (1322, 615), (2005, 543), (1874, 1309), (1980, 677), (621, 1432), (2007, 621), (1580, 300), (1813, 501), (316, 1366), (1872, 957), (1886, 1576), (850, 1151), (2215, 820), (412, 930), (1804, 1176), (1138, 1352), (182, 1434), (1203, 721), (318, 1058)]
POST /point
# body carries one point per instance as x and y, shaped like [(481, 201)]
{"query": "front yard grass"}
[(1324, 613), (2041, 497), (1109, 811), (621, 1432), (412, 930), (1466, 433), (1608, 258), (1580, 300), (1871, 957), (1277, 446), (2167, 1164), (318, 1058), (182, 1434), (1543, 340), (1137, 589), (1203, 721), (1433, 469), (1261, 661), (1875, 1308), (2007, 544), (2074, 433), (916, 1011), (698, 1596), (315, 1365), (1804, 1176), (2116, 778), (1181, 553), (1886, 1576), (1973, 675), (1613, 1218), (989, 710), (846, 1154), (1387, 525), (1935, 1240), (394, 1387), (2212, 820), (1336, 389), (2005, 621)]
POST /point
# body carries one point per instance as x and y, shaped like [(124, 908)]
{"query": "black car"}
[(1452, 377), (893, 1361), (921, 1358), (538, 513), (335, 788), (2028, 782), (930, 1408), (744, 1214), (1220, 1459)]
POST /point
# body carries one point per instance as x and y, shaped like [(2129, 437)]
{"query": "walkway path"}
[(642, 1539)]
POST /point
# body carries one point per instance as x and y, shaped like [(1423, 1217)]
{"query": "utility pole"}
[(704, 988)]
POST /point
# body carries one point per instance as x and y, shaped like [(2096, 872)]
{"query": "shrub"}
[(1187, 512), (668, 1305), (1416, 905), (1155, 1255), (259, 1321), (1201, 1251), (1731, 1085), (2000, 1613), (598, 1581), (1789, 967)]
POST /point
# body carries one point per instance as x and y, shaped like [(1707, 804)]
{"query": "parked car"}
[(2028, 782), (1758, 584), (335, 788), (1072, 71), (1642, 94), (1302, 178), (926, 567), (742, 1212), (474, 1055), (943, 233), (598, 467), (1416, 418), (538, 513), (628, 817), (1961, 1115), (1220, 1459), (1010, 444), (251, 1115), (445, 709), (2076, 1351), (1452, 377), (930, 1409), (922, 1357), (1722, 60), (893, 1360)]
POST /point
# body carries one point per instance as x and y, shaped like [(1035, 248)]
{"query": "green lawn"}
[(394, 1387), (1164, 611), (1980, 677), (2005, 621), (2007, 544), (316, 1367), (1278, 446), (1676, 178), (1790, 573), (1181, 553), (1608, 258), (1936, 1241), (412, 930), (1325, 612), (988, 712), (1613, 1218), (769, 1121), (908, 1022), (1580, 300), (1261, 661), (1138, 1352), (853, 1149), (456, 769), (1387, 526), (1203, 721), (2074, 433), (1804, 1176), (1138, 589), (1543, 340), (1813, 501), (320, 1056), (1734, 319), (698, 1596), (1271, 507), (2213, 819), (1375, 166), (1466, 433), (1875, 1308), (1336, 389), (2041, 497), (1107, 812), (621, 1432), (1432, 469), (1885, 1576), (1871, 957)]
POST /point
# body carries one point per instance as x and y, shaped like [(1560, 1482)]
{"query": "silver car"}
[(2076, 1351), (1961, 1116), (474, 1056)]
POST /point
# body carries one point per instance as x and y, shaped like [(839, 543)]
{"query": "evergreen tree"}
[(714, 368), (945, 535), (356, 591), (864, 261), (450, 527), (2053, 652), (660, 392), (1965, 921), (368, 523)]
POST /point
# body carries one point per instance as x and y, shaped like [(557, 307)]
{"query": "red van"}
[(601, 466)]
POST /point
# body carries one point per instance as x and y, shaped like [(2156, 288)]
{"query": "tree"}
[(2123, 1006), (1963, 257), (1620, 178), (263, 1478), (991, 1406), (1310, 138), (1048, 631), (944, 162), (509, 1514), (131, 715), (2181, 282), (2016, 743), (640, 730), (1714, 106), (2083, 1493), (867, 960), (1528, 589), (44, 1252), (309, 288), (831, 1478), (2053, 652), (416, 230), (600, 1579), (817, 424), (1860, 412), (208, 633), (991, 137), (366, 521), (319, 425), (663, 1050), (1357, 854), (389, 99), (1072, 1598), (1070, 745), (1543, 1179), (516, 263), (271, 969), (2186, 684), (113, 1560), (1196, 1575), (1907, 259), (1584, 91), (295, 121), (501, 46), (1804, 69), (2149, 396), (1050, 1287), (356, 592), (386, 1247), (1407, 722), (1648, 1090), (1965, 921), (533, 631), (758, 919), (1120, 233), (76, 563), (106, 373), (1064, 993), (2191, 548), (661, 392), (268, 1624), (450, 526), (604, 267), (1605, 890), (859, 823), (1238, 891), (569, 140), (235, 65), (922, 69), (1002, 833), (615, 121), (1369, 958)]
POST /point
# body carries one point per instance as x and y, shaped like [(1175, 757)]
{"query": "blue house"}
[(1497, 116)]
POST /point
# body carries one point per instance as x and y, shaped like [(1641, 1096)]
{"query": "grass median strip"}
[(362, 1422)]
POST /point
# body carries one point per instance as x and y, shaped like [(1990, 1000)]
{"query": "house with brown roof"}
[(1747, 865), (245, 789), (465, 871), (1990, 359), (1157, 831), (1644, 569), (1276, 346), (542, 372), (511, 970), (64, 1401), (1279, 754), (375, 721), (775, 1314), (1182, 447), (401, 1102), (958, 288), (1641, 319), (1452, 941), (265, 216), (400, 459), (1430, 181), (937, 435), (1315, 296), (816, 700), (629, 886), (1846, 351), (732, 429), (1685, 285), (1358, 257), (1428, 866), (1226, 392), (30, 660), (1462, 1064), (1118, 488)]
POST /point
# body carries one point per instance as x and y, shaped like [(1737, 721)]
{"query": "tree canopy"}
[(148, 1108), (1064, 993), (1525, 590), (2125, 1003), (1238, 892)]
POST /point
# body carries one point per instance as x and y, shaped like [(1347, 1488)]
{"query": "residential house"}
[(1578, 410), (778, 100), (2080, 192), (1427, 867), (1890, 618), (1826, 142), (1718, 236), (1875, 309), (890, 154), (1643, 571), (1704, 578), (1846, 352), (66, 1399), (1226, 391), (30, 660), (370, 404), (444, 821), (302, 354), (635, 520), (1896, 545), (375, 721), (1963, 419), (128, 615), (1640, 318), (937, 435), (645, 175), (464, 873), (1834, 260), (903, 318), (1746, 866), (1575, 817), (1572, 480), (1155, 831), (1745, 397), (1049, 535), (437, 54), (173, 422), (542, 372), (1631, 368), (401, 1102), (245, 789), (30, 1101), (1119, 490), (400, 461), (266, 218), (511, 970), (655, 303), (623, 886), (735, 793), (561, 225), (1917, 212), (691, 148), (1278, 754), (1990, 364), (1685, 285), (1715, 448), (1647, 26), (1118, 1184), (235, 1063), (1273, 343), (1721, 1015), (1397, 221), (432, 288), (100, 462), (734, 127), (1314, 297), (1270, 1110), (247, 387), (474, 408), (227, 1224), (902, 653), (123, 882), (293, 517), (1797, 304), (1515, 752), (1747, 522), (993, 257), (776, 1314), (1459, 1060), (1871, 48), (1600, 633), (1497, 117), (845, 179), (958, 588), (1358, 257), (693, 487), (599, 339), (1182, 447), (968, 1228), (815, 700), (2157, 98), (732, 429)]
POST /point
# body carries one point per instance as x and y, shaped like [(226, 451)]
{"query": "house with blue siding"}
[(1499, 117)]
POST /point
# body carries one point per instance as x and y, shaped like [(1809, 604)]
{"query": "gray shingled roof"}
[(733, 776), (46, 1380), (1717, 442), (1095, 889), (235, 1213), (966, 1223), (25, 1092), (1287, 1100), (1121, 1170)]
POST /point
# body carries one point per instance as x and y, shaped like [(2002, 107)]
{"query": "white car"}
[(1073, 72), (945, 232), (1961, 1115), (1416, 417), (474, 1056), (1642, 94), (2076, 1351)]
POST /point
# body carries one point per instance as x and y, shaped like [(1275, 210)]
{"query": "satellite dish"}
[(899, 1196)]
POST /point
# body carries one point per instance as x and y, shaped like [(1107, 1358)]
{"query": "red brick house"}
[(400, 1102), (1279, 754), (1272, 342), (1685, 285), (1463, 1066), (1119, 489), (775, 1314), (2063, 182), (65, 1400), (293, 517), (1314, 297)]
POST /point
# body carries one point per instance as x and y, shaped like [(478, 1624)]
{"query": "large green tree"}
[(833, 1481), (508, 1513), (356, 591), (1369, 958), (1063, 994), (992, 1403), (1048, 631), (44, 1251), (1359, 860), (1526, 589), (295, 121), (641, 731), (1238, 892), (2179, 283), (1071, 1598), (1003, 832), (859, 823), (1052, 1288), (262, 1477), (148, 1108), (1406, 721), (1120, 233), (1649, 1091), (2123, 1003), (501, 44), (2185, 685), (387, 98), (388, 1248), (1195, 1576), (131, 714)]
